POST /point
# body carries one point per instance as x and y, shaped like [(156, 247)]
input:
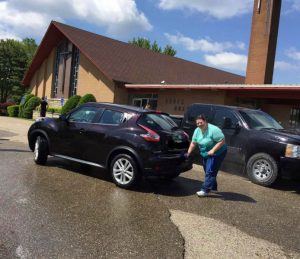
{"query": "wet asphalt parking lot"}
[(64, 210)]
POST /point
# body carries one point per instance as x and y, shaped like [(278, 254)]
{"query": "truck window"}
[(196, 110), (259, 120), (220, 121)]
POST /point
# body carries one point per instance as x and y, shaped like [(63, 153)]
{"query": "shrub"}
[(13, 110), (32, 103), (54, 110), (3, 107), (86, 98), (70, 104), (22, 107)]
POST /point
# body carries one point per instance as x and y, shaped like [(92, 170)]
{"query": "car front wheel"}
[(40, 150), (262, 169), (124, 171)]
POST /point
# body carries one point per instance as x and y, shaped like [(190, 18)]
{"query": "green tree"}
[(155, 47), (15, 56), (30, 49), (146, 44), (168, 50)]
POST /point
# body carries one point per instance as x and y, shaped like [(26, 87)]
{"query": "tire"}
[(40, 150), (124, 171), (262, 169)]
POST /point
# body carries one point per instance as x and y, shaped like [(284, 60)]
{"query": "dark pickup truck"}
[(257, 144)]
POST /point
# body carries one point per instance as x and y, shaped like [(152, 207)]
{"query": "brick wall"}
[(262, 48), (91, 80)]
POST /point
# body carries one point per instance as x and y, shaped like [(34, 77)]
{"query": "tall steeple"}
[(262, 48)]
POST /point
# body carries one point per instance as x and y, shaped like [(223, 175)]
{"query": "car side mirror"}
[(237, 127), (63, 117)]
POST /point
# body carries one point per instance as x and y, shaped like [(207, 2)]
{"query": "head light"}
[(292, 151)]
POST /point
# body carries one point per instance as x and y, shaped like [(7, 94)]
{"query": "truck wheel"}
[(262, 169), (40, 150), (124, 171)]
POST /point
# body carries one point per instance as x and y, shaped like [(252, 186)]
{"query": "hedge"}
[(22, 107), (54, 110), (3, 107), (13, 110), (32, 103), (70, 104), (86, 99)]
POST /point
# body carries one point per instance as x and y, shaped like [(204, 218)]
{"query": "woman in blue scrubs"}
[(211, 142)]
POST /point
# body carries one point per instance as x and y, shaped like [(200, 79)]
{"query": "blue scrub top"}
[(207, 140)]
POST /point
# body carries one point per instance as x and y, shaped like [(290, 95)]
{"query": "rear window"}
[(157, 121)]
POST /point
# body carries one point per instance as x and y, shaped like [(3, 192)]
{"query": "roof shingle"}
[(123, 62)]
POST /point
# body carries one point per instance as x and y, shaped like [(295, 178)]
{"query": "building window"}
[(74, 71), (295, 117), (65, 71), (56, 70), (141, 100)]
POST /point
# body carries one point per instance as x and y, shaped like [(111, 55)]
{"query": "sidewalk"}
[(17, 126)]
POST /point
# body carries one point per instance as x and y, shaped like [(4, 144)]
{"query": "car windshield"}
[(259, 120), (156, 121)]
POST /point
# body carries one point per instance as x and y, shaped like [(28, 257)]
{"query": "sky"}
[(215, 33)]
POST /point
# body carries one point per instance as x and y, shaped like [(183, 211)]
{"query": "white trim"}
[(78, 160)]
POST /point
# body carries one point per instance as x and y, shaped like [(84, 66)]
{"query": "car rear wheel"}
[(262, 169), (124, 171), (40, 150)]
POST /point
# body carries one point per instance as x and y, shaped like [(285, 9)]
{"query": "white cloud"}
[(227, 60), (293, 54), (204, 45), (286, 66), (220, 9), (296, 5), (24, 18)]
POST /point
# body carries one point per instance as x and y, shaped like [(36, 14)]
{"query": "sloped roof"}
[(123, 62)]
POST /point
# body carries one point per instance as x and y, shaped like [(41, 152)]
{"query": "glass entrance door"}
[(140, 102)]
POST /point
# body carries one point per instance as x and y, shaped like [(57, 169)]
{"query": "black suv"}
[(257, 143), (127, 140)]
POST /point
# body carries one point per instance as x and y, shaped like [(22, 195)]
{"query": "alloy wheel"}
[(36, 149), (123, 171)]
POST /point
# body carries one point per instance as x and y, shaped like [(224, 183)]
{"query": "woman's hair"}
[(201, 117)]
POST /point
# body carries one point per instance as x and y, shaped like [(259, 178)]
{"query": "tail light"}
[(150, 135)]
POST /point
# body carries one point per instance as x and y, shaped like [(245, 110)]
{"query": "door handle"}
[(186, 127), (82, 131)]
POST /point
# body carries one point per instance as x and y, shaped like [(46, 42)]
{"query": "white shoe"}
[(202, 193)]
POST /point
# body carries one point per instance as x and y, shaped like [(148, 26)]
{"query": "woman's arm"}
[(191, 148), (216, 147)]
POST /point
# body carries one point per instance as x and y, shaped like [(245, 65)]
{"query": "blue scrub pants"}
[(211, 166)]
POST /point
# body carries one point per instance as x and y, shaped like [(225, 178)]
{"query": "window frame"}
[(223, 110)]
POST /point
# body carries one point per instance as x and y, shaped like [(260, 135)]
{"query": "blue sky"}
[(210, 32)]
